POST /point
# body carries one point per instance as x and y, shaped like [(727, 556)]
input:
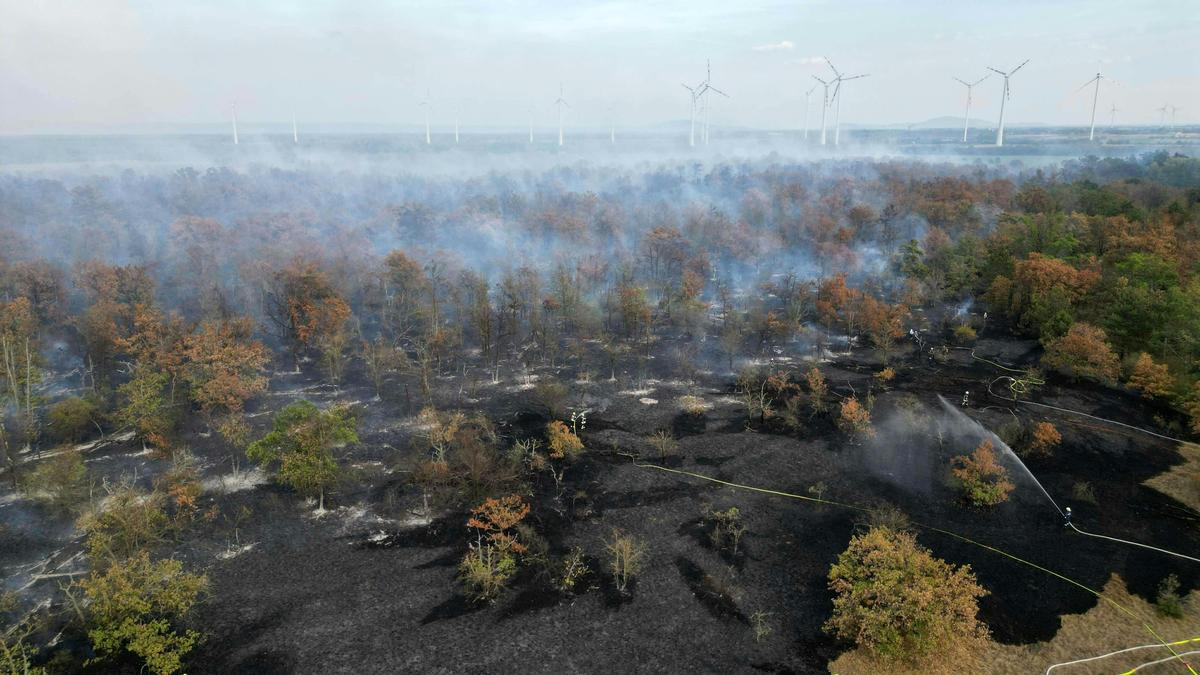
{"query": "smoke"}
[(914, 444)]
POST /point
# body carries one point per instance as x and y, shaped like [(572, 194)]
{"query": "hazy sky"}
[(129, 64)]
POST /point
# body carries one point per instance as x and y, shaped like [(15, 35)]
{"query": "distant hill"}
[(946, 122)]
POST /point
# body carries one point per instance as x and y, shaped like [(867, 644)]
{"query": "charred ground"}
[(769, 272)]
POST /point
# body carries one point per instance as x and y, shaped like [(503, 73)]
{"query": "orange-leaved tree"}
[(225, 369), (1150, 379), (1083, 353), (984, 482), (1043, 439), (894, 599), (855, 419), (306, 312)]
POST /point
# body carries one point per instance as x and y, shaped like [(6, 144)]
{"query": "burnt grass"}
[(369, 587)]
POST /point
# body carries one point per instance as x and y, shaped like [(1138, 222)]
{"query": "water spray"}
[(1170, 646), (959, 415), (1066, 515)]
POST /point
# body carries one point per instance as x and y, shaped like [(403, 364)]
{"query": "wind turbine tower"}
[(967, 114), (1095, 99), (704, 96), (425, 104), (807, 108), (531, 126), (233, 114), (824, 105), (692, 133), (295, 132), (837, 97), (1112, 115), (560, 103), (1004, 97)]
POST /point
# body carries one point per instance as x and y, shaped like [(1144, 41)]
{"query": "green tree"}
[(71, 419), (61, 480), (146, 408), (137, 606), (301, 443)]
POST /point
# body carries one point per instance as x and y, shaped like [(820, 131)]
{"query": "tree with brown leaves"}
[(1083, 353), (224, 369), (894, 599), (1150, 379)]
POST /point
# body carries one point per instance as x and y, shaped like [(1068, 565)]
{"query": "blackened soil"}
[(335, 594)]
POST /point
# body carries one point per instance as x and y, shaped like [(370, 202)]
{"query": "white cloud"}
[(785, 45)]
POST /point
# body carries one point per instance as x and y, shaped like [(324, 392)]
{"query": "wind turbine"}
[(1173, 111), (967, 114), (233, 113), (425, 104), (560, 103), (1112, 115), (704, 95), (1095, 98), (531, 126), (295, 131), (456, 127), (1003, 98), (837, 91), (612, 127), (824, 105), (807, 107), (692, 134)]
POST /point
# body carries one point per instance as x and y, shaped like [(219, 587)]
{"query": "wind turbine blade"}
[(980, 80), (997, 71), (710, 88), (820, 80), (961, 82), (1014, 70), (1087, 84), (688, 88), (856, 77), (835, 70)]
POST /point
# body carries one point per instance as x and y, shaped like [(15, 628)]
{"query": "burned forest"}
[(733, 415)]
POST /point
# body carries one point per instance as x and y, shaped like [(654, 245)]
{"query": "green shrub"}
[(1168, 602), (626, 557), (72, 419), (486, 571), (570, 570), (128, 521), (136, 606), (61, 480), (727, 528)]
